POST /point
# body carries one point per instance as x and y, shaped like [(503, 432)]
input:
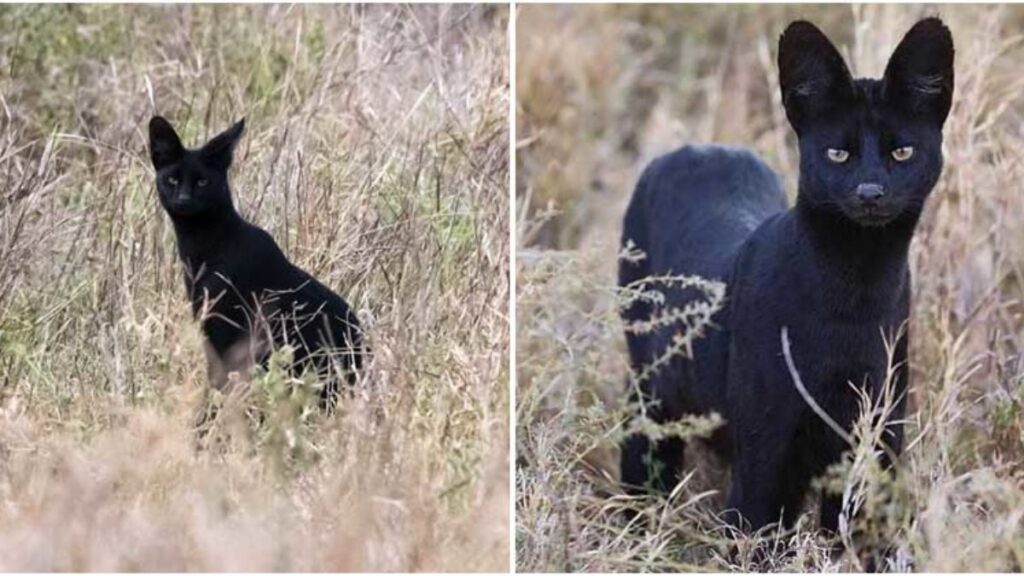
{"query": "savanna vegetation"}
[(376, 153), (602, 90)]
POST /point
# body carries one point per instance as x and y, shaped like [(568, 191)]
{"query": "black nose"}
[(870, 193)]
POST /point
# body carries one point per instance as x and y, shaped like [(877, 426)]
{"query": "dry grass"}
[(376, 154), (604, 89)]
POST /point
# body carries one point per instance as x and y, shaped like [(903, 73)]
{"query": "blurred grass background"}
[(376, 154), (604, 89)]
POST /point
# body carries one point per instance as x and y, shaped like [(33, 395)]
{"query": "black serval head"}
[(870, 150), (193, 184)]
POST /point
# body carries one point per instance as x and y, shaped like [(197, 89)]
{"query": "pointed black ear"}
[(919, 76), (812, 73), (218, 152), (164, 145)]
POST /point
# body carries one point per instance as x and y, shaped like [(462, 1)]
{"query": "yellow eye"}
[(172, 180), (201, 182), (838, 156), (903, 153)]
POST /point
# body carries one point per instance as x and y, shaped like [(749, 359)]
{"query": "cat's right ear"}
[(812, 74), (165, 147)]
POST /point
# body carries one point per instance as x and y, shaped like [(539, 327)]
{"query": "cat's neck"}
[(201, 236), (855, 254)]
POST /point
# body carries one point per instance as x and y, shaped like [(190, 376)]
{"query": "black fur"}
[(832, 269), (242, 287)]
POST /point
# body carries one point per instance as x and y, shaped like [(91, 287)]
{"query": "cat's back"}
[(260, 268), (255, 258), (699, 203), (292, 285)]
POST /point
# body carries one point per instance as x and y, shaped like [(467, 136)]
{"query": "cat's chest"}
[(840, 351), (221, 287), (209, 276), (239, 293), (829, 350)]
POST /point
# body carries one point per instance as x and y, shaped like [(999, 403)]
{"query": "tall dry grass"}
[(604, 89), (376, 154)]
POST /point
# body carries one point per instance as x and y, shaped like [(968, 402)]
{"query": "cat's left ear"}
[(919, 76), (218, 152)]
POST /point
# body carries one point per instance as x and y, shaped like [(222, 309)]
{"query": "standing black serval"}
[(832, 271)]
